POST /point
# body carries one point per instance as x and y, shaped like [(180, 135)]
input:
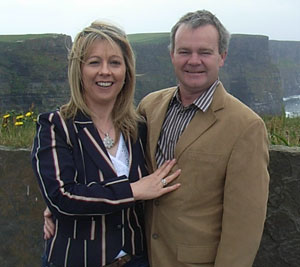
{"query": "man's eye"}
[(206, 53)]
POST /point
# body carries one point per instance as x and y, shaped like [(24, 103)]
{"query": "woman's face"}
[(103, 74)]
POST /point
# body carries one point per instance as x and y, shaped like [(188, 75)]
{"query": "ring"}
[(164, 182)]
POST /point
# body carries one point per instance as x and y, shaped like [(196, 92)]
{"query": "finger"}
[(47, 212), (49, 226), (167, 166), (161, 168), (173, 176), (47, 235), (47, 230), (170, 188)]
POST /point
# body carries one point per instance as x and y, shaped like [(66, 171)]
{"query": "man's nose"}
[(195, 59)]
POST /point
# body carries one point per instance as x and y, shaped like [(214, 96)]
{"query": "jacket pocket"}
[(196, 254)]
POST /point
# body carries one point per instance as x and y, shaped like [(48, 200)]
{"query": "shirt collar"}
[(203, 101)]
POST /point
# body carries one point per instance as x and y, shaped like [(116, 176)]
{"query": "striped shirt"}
[(177, 119)]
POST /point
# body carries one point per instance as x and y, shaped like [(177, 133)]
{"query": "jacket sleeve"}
[(54, 166), (245, 198)]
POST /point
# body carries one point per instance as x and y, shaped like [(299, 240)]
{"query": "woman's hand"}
[(155, 184), (149, 187), (49, 226)]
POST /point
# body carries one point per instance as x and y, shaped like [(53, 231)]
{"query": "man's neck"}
[(188, 98)]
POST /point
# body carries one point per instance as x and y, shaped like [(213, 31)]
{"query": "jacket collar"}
[(199, 124), (92, 143)]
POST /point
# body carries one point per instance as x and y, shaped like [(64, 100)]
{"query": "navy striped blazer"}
[(94, 209)]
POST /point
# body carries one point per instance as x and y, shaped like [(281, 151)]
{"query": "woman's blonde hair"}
[(124, 115)]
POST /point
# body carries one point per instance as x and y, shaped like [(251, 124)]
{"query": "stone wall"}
[(21, 207), (280, 246)]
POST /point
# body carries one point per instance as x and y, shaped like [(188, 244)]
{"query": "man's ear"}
[(222, 59), (172, 55)]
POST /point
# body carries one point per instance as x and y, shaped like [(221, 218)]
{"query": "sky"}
[(278, 19)]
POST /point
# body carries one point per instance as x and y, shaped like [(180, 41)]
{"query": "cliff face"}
[(250, 75), (34, 71), (257, 71), (286, 55), (248, 72), (153, 65)]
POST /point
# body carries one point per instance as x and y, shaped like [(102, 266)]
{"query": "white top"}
[(121, 164), (121, 160)]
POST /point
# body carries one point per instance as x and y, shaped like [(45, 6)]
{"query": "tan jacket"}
[(216, 217)]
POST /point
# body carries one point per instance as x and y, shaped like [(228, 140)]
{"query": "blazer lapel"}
[(201, 122), (92, 144), (155, 122), (198, 125), (131, 153)]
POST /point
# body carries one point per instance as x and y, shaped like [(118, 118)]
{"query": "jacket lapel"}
[(201, 122), (131, 152), (155, 122), (92, 144)]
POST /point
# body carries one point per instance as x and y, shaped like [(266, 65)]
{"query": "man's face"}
[(196, 58)]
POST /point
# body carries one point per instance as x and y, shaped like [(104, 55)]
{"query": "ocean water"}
[(292, 106)]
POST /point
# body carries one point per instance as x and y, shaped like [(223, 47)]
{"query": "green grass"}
[(18, 130), (148, 37), (282, 130), (16, 38)]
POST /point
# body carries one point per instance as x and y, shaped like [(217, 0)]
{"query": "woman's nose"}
[(104, 69)]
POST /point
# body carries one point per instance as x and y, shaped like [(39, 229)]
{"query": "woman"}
[(89, 162)]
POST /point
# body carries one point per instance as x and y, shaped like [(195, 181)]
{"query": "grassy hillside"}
[(148, 37), (33, 71), (16, 38), (153, 62)]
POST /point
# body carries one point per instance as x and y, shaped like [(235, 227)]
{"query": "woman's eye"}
[(93, 62), (115, 62)]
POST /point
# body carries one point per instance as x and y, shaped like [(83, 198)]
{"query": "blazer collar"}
[(219, 98), (201, 122), (156, 119), (92, 143)]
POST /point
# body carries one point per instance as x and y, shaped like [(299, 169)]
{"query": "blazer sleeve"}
[(54, 166), (245, 198)]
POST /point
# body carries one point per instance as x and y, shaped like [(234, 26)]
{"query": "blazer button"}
[(155, 236), (119, 226), (156, 202)]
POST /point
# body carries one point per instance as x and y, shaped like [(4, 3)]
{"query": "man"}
[(216, 217)]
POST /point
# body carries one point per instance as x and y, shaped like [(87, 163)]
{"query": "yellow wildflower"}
[(18, 123), (28, 114), (19, 117), (6, 116)]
